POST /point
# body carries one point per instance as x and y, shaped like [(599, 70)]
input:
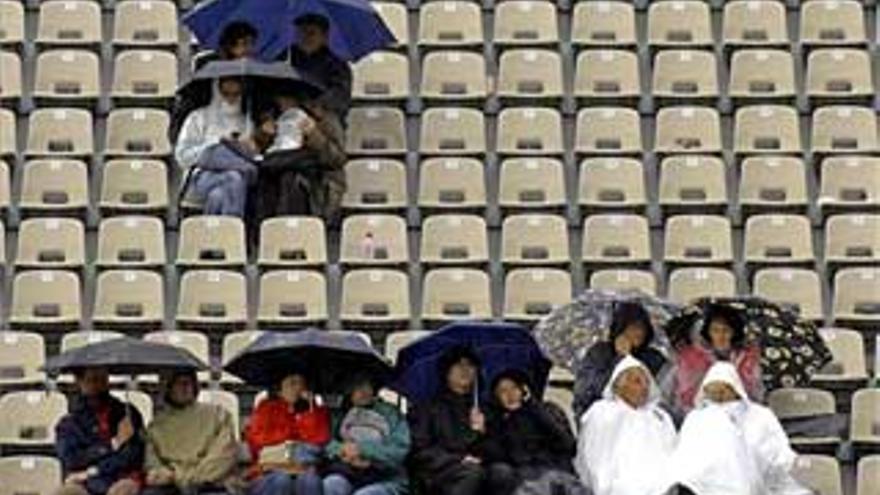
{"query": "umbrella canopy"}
[(567, 333), (261, 76), (499, 347), (125, 356), (328, 359)]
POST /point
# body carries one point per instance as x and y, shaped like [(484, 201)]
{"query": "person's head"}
[(633, 386), (230, 90), (293, 387), (93, 382), (723, 330), (511, 390), (361, 391), (314, 32), (721, 385), (181, 389), (632, 321), (286, 101), (720, 392), (237, 41), (459, 366)]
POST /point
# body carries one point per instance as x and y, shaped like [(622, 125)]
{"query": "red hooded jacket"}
[(274, 421)]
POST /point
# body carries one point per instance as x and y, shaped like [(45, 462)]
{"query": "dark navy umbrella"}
[(328, 359), (261, 76), (499, 347), (125, 356)]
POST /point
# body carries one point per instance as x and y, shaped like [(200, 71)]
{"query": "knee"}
[(336, 485), (71, 489), (308, 483), (123, 487), (215, 195), (277, 483)]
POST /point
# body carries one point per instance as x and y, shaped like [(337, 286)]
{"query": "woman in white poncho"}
[(626, 437)]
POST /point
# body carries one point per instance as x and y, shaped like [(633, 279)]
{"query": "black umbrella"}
[(328, 359), (262, 78), (124, 356)]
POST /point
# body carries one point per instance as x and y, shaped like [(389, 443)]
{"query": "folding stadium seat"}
[(608, 131), (454, 76), (140, 400), (820, 473), (767, 129), (60, 132), (45, 299), (78, 339), (5, 188), (55, 187), (748, 23), (233, 344), (689, 284), (679, 23), (376, 131), (129, 298), (624, 279), (452, 184), (525, 23), (374, 240), (693, 184), (832, 23), (375, 185), (453, 131), (288, 242), (603, 24), (852, 240), (685, 76), (67, 77), (375, 296), (869, 475), (857, 297), (773, 184), (8, 146), (450, 24), (839, 76), (141, 76), (803, 404), (844, 129), (30, 474), (10, 76), (196, 343), (381, 76), (799, 289), (612, 239), (396, 341), (687, 130), (531, 183), (226, 400), (292, 298), (51, 243), (612, 184), (535, 240), (864, 425), (134, 186), (145, 23), (850, 183), (131, 242), (698, 240), (451, 294), (531, 293), (212, 299), (778, 240), (23, 355), (395, 17), (29, 418), (529, 74), (11, 23), (454, 240), (137, 132), (761, 75), (529, 131), (848, 360), (607, 76), (69, 23), (211, 242)]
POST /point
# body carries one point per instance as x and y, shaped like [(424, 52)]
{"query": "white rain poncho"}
[(623, 450), (206, 126)]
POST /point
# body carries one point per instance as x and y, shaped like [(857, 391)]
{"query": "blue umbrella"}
[(499, 347)]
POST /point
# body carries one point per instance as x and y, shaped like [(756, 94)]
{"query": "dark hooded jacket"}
[(331, 72)]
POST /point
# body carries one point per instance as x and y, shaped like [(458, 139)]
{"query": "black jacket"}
[(333, 73), (535, 436)]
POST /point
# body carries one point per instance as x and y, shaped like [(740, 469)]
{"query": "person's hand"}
[(269, 127), (307, 125), (478, 420), (248, 143), (76, 478), (160, 476), (349, 452), (360, 463), (124, 432), (469, 459), (623, 345)]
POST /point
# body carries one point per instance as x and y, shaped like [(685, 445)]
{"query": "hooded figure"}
[(729, 444), (631, 334), (626, 438)]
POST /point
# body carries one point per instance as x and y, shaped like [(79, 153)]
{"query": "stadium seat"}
[(857, 297), (196, 343), (778, 239), (529, 131), (623, 279), (832, 23), (844, 129), (531, 184), (698, 239), (131, 186), (142, 76), (689, 284), (454, 240), (288, 242), (529, 74), (839, 75), (11, 23), (8, 134), (679, 23), (749, 23), (28, 419), (395, 17), (692, 183), (211, 242), (74, 340), (374, 240), (450, 184), (450, 24), (56, 132), (607, 76), (820, 473), (608, 131), (375, 296), (376, 131), (11, 76), (534, 240), (51, 243), (375, 185), (233, 344), (521, 23), (137, 132), (67, 76), (616, 240), (452, 131), (69, 23), (451, 294), (864, 423), (145, 23), (805, 403), (799, 289), (848, 359), (140, 400), (852, 240), (55, 187), (400, 339), (226, 400), (292, 298), (603, 24), (612, 184), (5, 190), (381, 76), (767, 129), (212, 299), (129, 298), (35, 475), (531, 293), (762, 75), (23, 354), (773, 184), (869, 475), (687, 130), (453, 76), (850, 184), (131, 242), (685, 76)]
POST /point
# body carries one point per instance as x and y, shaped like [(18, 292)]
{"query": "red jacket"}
[(274, 422), (695, 360)]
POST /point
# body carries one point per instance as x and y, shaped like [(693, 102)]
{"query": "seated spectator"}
[(191, 447), (286, 434), (626, 437), (100, 442), (311, 55), (370, 443)]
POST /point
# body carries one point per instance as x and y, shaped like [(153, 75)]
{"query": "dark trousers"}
[(173, 490)]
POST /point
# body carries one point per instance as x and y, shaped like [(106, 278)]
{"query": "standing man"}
[(312, 56)]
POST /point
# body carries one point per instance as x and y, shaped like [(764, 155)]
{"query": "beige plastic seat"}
[(531, 293), (844, 129), (144, 75), (767, 129), (778, 239), (612, 183), (51, 243), (452, 184), (225, 400), (850, 183), (45, 300), (832, 23), (527, 74), (287, 242), (772, 184), (762, 74), (688, 130), (616, 279), (451, 294), (454, 240), (848, 359), (5, 189), (145, 23), (375, 296), (67, 76), (689, 284), (534, 239), (679, 23), (608, 131), (374, 240), (857, 297), (852, 239), (11, 23), (212, 299), (129, 298), (395, 17), (531, 183), (141, 401), (69, 23), (869, 475), (75, 340), (10, 77), (375, 185), (211, 242), (616, 239), (692, 183), (60, 132), (400, 339), (607, 75), (820, 473), (453, 76), (864, 425), (603, 24), (804, 403), (525, 23), (55, 187), (376, 131), (8, 146), (22, 355), (196, 343), (292, 298), (236, 342), (453, 131), (35, 475), (138, 132), (134, 186), (381, 76), (529, 131), (752, 23), (698, 239), (687, 76), (29, 418), (450, 24), (838, 74), (131, 242), (796, 288)]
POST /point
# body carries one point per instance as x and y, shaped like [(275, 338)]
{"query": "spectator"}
[(287, 430), (100, 443), (191, 447), (312, 56), (370, 444)]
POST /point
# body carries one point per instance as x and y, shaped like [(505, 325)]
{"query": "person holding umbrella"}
[(312, 55)]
